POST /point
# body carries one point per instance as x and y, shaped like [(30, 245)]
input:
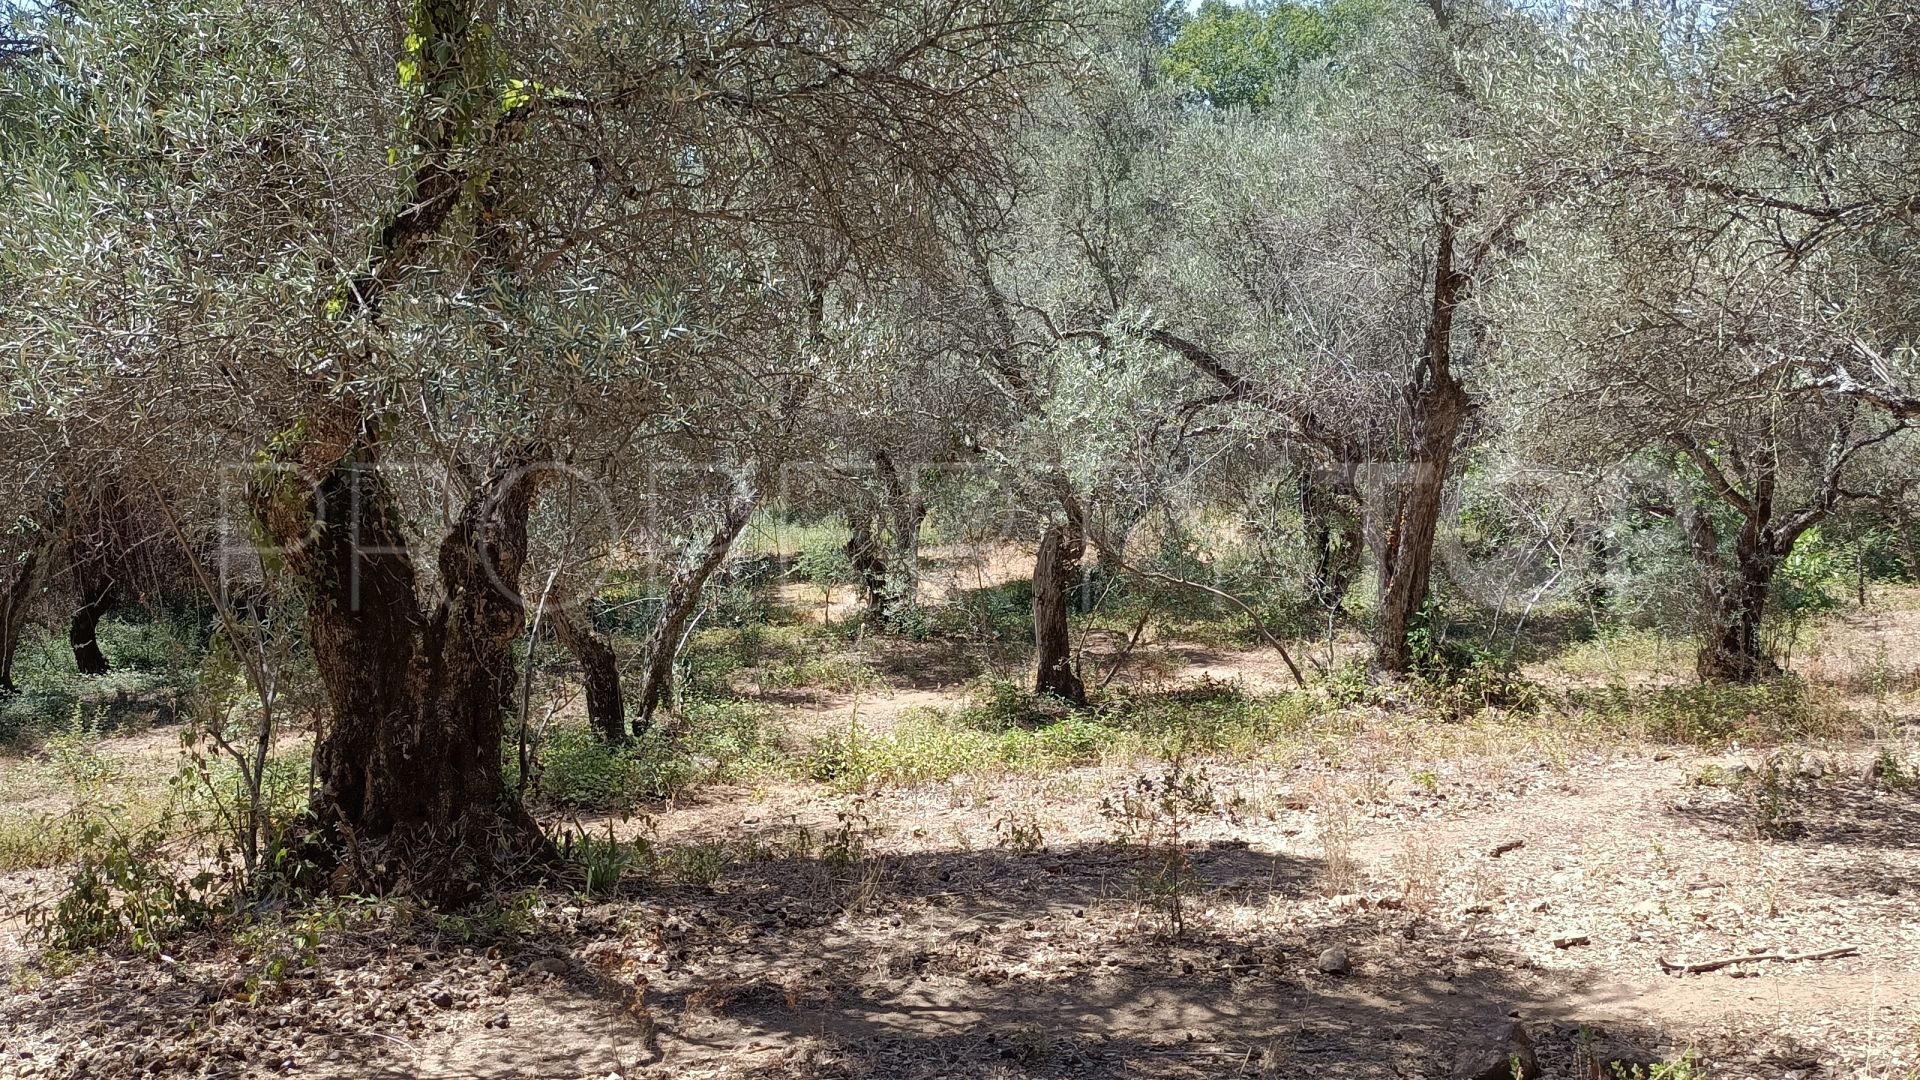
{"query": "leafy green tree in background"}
[(1231, 55)]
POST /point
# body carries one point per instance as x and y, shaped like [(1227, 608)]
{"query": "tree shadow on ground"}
[(840, 962), (1843, 811)]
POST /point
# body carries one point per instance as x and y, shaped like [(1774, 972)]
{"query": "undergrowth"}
[(709, 739), (1005, 729), (1777, 711)]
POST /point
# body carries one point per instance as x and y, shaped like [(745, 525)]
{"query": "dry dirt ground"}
[(1475, 875)]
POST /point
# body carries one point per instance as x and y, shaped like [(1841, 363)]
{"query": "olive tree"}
[(344, 245)]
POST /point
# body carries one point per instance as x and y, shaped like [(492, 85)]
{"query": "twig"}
[(1235, 601), (1728, 961), (1132, 641)]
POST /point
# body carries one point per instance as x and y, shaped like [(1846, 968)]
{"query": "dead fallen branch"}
[(1753, 958)]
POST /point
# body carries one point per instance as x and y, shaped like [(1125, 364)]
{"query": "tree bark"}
[(1439, 407), (96, 556), (682, 597), (1732, 650), (410, 791), (599, 670), (1055, 570), (1735, 595), (98, 594)]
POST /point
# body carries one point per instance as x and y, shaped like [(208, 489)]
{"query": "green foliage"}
[(1685, 1067), (824, 561), (771, 658), (603, 861), (1810, 576), (1241, 55), (1890, 773), (579, 769), (499, 919), (999, 613), (1351, 683), (1019, 833), (156, 656), (699, 865), (1457, 679), (1209, 716), (711, 738), (124, 885), (1154, 815), (34, 841), (998, 704), (287, 942), (1777, 791)]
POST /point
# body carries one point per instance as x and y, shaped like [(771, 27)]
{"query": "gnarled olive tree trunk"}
[(1738, 582), (96, 557), (410, 791), (599, 669), (1055, 570), (1735, 591), (1438, 409), (681, 600), (869, 566), (98, 593)]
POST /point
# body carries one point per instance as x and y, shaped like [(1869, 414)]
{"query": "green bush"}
[(36, 841), (1457, 679), (995, 613), (603, 861), (999, 704), (1210, 716)]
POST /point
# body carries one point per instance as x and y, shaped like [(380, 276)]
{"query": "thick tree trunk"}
[(1439, 407), (29, 576), (906, 512), (96, 550), (599, 668), (410, 791), (682, 598), (1055, 570), (1735, 596), (1732, 649), (1333, 538)]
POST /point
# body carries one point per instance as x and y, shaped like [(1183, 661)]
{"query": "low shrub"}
[(1777, 711), (706, 739), (1010, 730)]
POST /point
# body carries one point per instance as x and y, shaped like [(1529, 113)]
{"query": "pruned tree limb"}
[(1753, 958)]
